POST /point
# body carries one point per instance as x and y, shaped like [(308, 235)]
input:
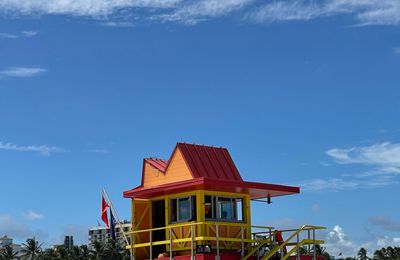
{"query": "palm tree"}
[(8, 253), (61, 252), (49, 254), (362, 254), (31, 248), (84, 252), (113, 250), (379, 255), (75, 253), (96, 253)]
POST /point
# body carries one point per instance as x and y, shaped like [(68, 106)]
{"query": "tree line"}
[(112, 250), (32, 250)]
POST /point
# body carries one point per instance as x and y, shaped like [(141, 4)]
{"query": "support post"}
[(217, 235), (170, 244), (298, 248), (242, 234), (192, 243), (315, 251), (151, 245)]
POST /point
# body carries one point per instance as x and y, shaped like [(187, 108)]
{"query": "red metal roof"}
[(159, 164), (212, 169), (209, 162)]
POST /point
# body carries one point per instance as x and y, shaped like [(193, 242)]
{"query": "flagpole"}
[(117, 217)]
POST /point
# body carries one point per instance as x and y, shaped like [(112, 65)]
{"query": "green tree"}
[(113, 250), (74, 253), (31, 249), (97, 251), (362, 254), (85, 253), (379, 255), (8, 253)]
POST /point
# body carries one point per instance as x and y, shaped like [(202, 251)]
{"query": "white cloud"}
[(19, 230), (384, 156), (337, 243), (385, 222), (31, 215), (29, 33), (386, 241), (41, 149), (79, 8), (78, 232), (13, 228), (8, 36), (22, 72), (103, 151), (14, 36), (396, 51), (196, 11), (365, 12), (118, 24)]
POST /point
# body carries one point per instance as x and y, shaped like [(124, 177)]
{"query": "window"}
[(183, 209), (223, 208)]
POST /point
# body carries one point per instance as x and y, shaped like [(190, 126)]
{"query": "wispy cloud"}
[(18, 35), (118, 24), (385, 157), (8, 36), (103, 151), (365, 12), (80, 8), (19, 230), (385, 222), (192, 12), (31, 215), (41, 149), (29, 33), (381, 162), (349, 182), (396, 51), (22, 72)]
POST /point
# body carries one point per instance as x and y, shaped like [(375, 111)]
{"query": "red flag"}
[(104, 208)]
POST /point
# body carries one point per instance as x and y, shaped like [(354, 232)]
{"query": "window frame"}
[(192, 205), (215, 208)]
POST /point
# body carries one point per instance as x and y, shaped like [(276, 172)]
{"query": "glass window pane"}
[(239, 209), (208, 207), (184, 209), (225, 209), (174, 210)]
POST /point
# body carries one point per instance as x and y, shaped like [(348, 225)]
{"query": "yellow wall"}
[(177, 171), (208, 230)]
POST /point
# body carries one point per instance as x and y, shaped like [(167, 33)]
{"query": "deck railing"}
[(262, 243)]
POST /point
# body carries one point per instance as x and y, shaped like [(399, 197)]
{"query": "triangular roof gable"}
[(158, 172), (199, 161)]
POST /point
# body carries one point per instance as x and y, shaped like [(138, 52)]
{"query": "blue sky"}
[(301, 92)]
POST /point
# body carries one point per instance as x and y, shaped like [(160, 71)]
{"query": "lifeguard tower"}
[(195, 205)]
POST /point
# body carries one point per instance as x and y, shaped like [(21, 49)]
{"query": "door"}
[(158, 219)]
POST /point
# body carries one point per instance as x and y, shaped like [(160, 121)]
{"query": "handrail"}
[(268, 238), (276, 248), (255, 249), (302, 242)]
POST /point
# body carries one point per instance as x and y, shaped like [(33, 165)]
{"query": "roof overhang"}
[(256, 190)]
